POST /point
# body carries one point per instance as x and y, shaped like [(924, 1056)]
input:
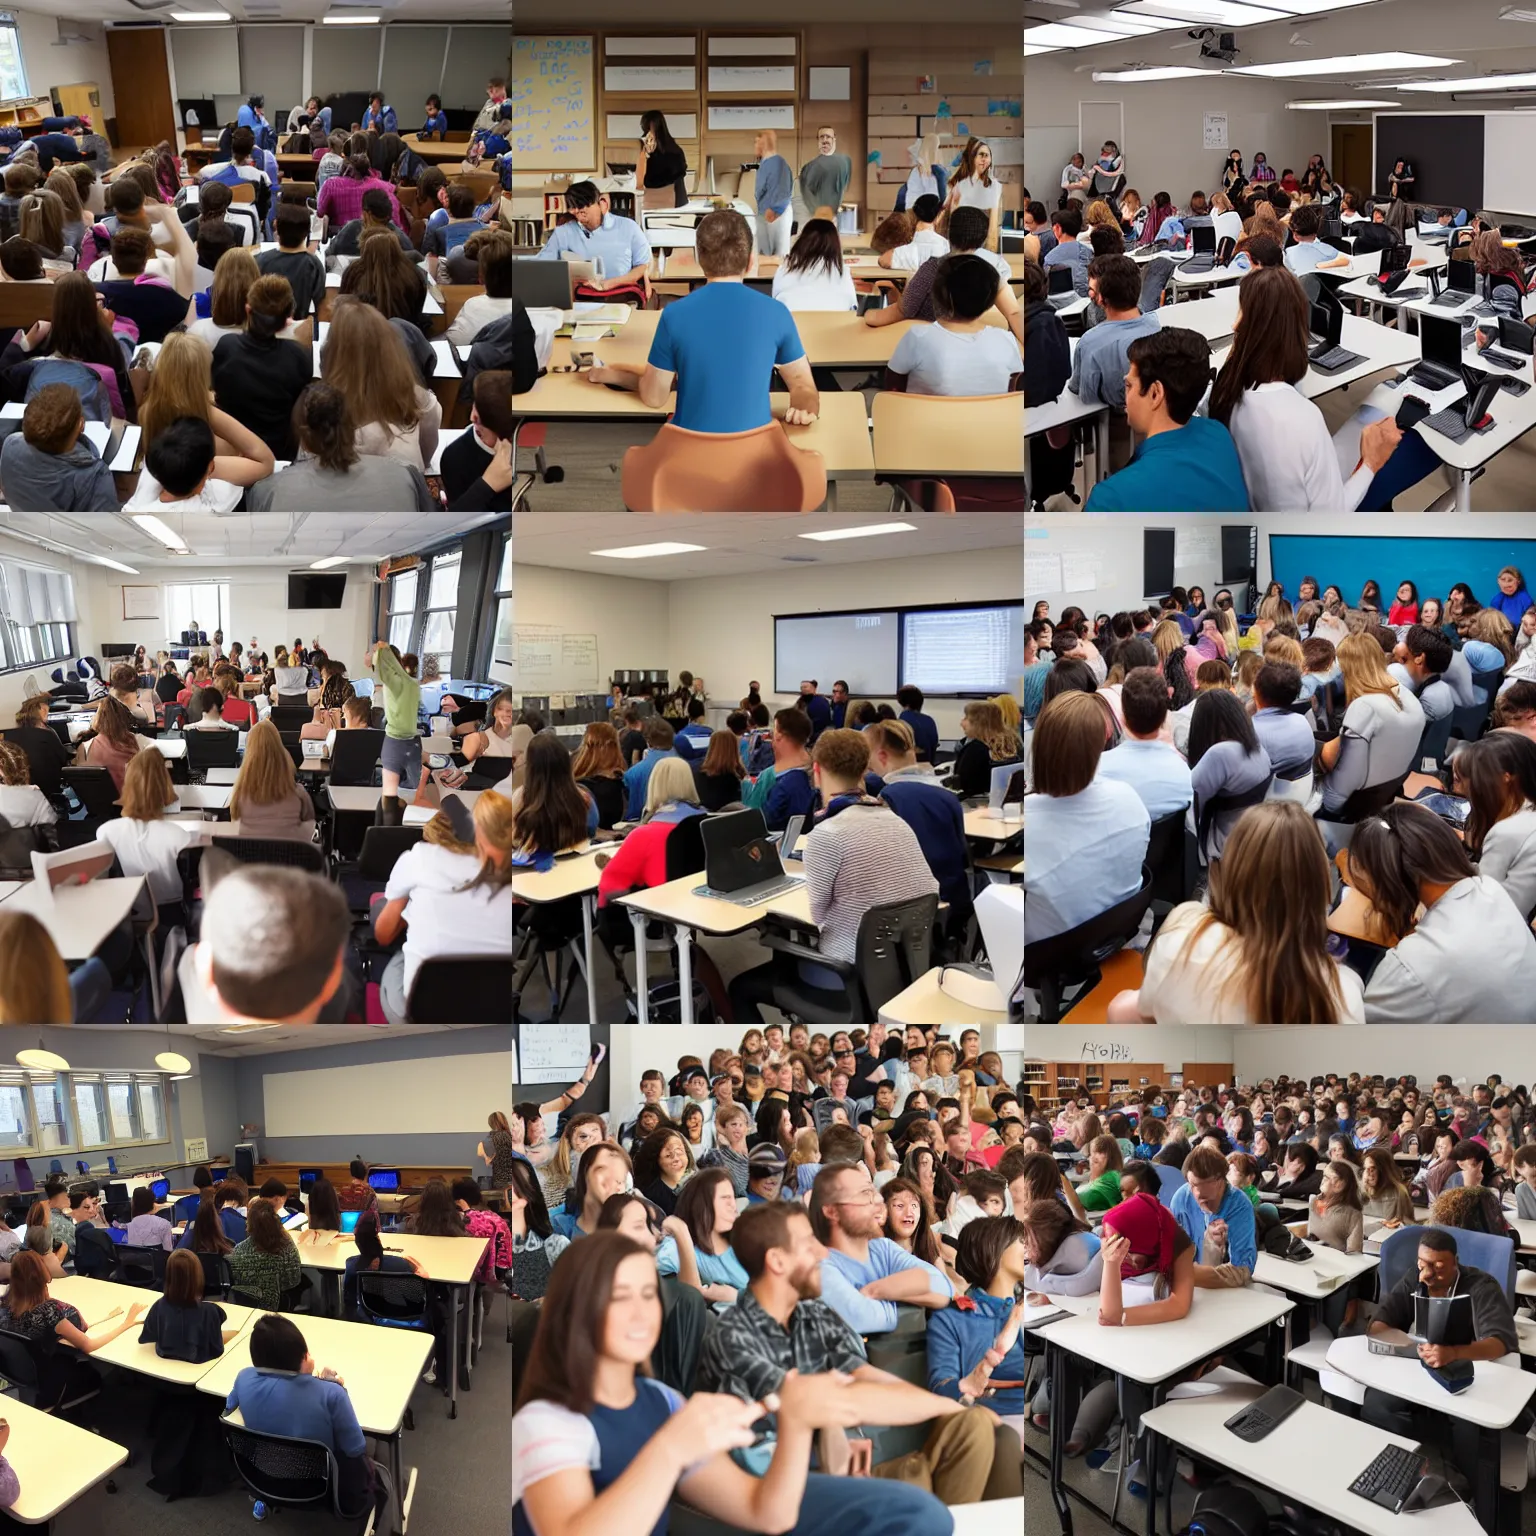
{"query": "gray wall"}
[(249, 1107)]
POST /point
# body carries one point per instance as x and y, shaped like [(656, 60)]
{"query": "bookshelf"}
[(1052, 1081)]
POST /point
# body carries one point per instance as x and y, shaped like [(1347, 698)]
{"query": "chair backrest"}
[(354, 756), (97, 792), (291, 717), (18, 1365), (1080, 948), (756, 471), (381, 850), (1292, 789), (216, 1274), (139, 1264), (274, 850), (1172, 879), (1487, 1251), (388, 1297), (1170, 1181), (465, 989), (212, 749), (1370, 801), (1432, 744), (685, 848), (280, 1470), (894, 947)]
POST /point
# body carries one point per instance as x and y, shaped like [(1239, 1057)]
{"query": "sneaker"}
[(259, 1511), (429, 1376)]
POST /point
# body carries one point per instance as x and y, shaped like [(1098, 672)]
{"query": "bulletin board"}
[(554, 103)]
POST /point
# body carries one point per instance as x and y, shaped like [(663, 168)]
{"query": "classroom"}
[(253, 769), (1326, 1237), (732, 1242), (836, 192), (766, 763), (247, 1269), (237, 275), (1279, 770), (1223, 200)]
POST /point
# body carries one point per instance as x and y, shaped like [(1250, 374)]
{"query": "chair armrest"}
[(784, 944)]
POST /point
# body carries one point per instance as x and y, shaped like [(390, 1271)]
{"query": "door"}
[(1352, 157), (141, 82)]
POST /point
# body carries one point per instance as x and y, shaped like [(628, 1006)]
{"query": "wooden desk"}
[(924, 1003), (937, 435), (56, 1461), (1356, 918), (435, 152), (990, 829), (299, 167)]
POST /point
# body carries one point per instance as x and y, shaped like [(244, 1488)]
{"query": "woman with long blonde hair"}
[(268, 800), (391, 414), (182, 385), (233, 279), (1383, 722), (144, 841), (41, 220), (1259, 953), (64, 187), (1167, 637)]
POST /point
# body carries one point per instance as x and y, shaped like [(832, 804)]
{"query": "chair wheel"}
[(111, 1485), (554, 475)]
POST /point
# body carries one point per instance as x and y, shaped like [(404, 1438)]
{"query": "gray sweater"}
[(863, 857), (373, 484), (1073, 1270), (76, 481)]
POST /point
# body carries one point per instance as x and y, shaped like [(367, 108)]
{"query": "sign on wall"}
[(1215, 130)]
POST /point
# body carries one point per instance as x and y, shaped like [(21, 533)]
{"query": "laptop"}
[(1325, 320), (384, 1181), (1202, 242), (1517, 341), (160, 1189), (541, 284), (1441, 343), (308, 1178), (1059, 289), (349, 1221), (741, 862)]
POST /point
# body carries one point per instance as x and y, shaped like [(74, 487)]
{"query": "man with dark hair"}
[(150, 290), (1149, 764), (238, 169), (1218, 1219), (1430, 666), (784, 1321), (1068, 250), (376, 211), (258, 376), (793, 793), (179, 460), (49, 466), (436, 120), (1182, 461), (1284, 735), (293, 259), (212, 242), (1099, 364), (839, 705), (1308, 254), (692, 742), (439, 241), (659, 743), (380, 118), (471, 463), (594, 233)]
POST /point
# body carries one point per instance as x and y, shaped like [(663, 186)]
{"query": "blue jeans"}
[(1411, 461), (834, 1506)]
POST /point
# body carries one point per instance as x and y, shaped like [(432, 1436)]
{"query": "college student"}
[(721, 389), (267, 799), (1100, 362), (1145, 759), (925, 243), (859, 853), (793, 792), (1497, 775), (1307, 253), (155, 304), (824, 179), (596, 234), (50, 465), (772, 194), (988, 745), (265, 1263), (641, 859), (1087, 837), (1182, 462), (961, 354), (1382, 726), (401, 755), (1219, 1221), (719, 775), (914, 792), (257, 374), (812, 276), (181, 1324), (393, 414), (294, 260), (974, 185)]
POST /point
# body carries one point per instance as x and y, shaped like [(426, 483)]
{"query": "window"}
[(402, 609), (15, 1125), (90, 1112), (13, 69), (442, 607), (37, 608), (501, 639), (151, 1109), (51, 1126), (206, 602), (117, 1108)]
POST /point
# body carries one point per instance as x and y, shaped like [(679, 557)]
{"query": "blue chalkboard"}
[(554, 103), (1433, 565)]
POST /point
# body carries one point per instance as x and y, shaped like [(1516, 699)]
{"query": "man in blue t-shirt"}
[(925, 729), (840, 702), (721, 345), (1217, 1219), (794, 791), (816, 708)]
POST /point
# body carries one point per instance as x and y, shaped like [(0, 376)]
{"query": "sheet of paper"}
[(1196, 546), (447, 363), (122, 461), (443, 440), (1077, 571), (99, 435)]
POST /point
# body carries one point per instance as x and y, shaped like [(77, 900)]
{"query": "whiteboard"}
[(649, 77), (548, 660), (553, 1053), (422, 1095), (858, 647), (964, 650), (1507, 161), (629, 47), (553, 98), (626, 125)]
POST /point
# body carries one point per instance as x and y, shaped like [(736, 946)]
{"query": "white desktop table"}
[(169, 747), (573, 875), (1066, 410), (57, 1462), (78, 917), (993, 1519), (1324, 1273)]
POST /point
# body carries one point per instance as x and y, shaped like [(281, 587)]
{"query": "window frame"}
[(66, 1086), (8, 20)]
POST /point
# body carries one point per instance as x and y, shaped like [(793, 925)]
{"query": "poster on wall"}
[(1215, 130), (141, 602)]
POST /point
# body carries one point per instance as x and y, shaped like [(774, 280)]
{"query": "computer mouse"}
[(1430, 1492)]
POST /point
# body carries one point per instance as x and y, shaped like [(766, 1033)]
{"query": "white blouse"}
[(814, 288), (973, 194)]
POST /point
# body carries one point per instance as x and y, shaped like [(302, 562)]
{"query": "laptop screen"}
[(385, 1180), (1203, 237), (1462, 276), (1441, 340), (160, 1188), (349, 1220), (1059, 278), (308, 1177)]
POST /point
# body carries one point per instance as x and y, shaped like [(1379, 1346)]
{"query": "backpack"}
[(409, 167)]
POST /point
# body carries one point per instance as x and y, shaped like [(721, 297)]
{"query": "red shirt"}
[(237, 711), (641, 862)]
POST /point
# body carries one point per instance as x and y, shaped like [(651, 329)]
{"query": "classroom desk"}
[(574, 876), (435, 151), (923, 1003), (993, 829), (988, 1519), (1355, 918), (1150, 1356), (1065, 410), (204, 797), (1332, 1448), (1320, 1276), (683, 267), (57, 1462), (126, 1351), (361, 798), (1212, 318), (675, 902), (1491, 1404), (79, 917), (379, 1367), (296, 167)]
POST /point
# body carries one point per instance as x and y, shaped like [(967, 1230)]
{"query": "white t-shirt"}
[(25, 805), (149, 848), (1188, 981), (441, 918), (1288, 457), (938, 361), (993, 259), (973, 194), (215, 496), (815, 288), (925, 243)]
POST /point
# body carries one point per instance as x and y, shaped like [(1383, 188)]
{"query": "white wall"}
[(1468, 1052), (629, 617), (258, 601), (74, 63), (1167, 1044)]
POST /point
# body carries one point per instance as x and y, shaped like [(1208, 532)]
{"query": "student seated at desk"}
[(812, 276), (1099, 364), (260, 374), (1219, 1221), (184, 471), (793, 790), (1066, 226), (208, 705), (28, 1309), (719, 774), (1182, 461), (1498, 776), (50, 465), (281, 1393), (370, 1258), (961, 354), (146, 1229), (722, 389), (44, 1240), (293, 260), (181, 1324), (659, 743), (112, 742), (439, 241), (22, 803), (594, 233), (492, 250), (1146, 758), (1469, 955), (144, 841), (1334, 1214), (988, 745), (967, 232), (265, 1263), (1308, 253), (267, 799), (640, 861), (925, 242)]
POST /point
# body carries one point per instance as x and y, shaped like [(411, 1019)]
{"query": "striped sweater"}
[(863, 857)]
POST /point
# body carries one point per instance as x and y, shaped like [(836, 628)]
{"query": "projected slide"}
[(963, 650), (858, 647)]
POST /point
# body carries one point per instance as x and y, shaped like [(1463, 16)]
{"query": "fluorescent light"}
[(328, 562), (201, 16), (1119, 24), (1477, 83), (1343, 64), (348, 21), (158, 530), (649, 551), (1030, 49), (1217, 12), (1067, 35), (116, 565), (171, 1061), (1312, 7), (868, 531), (1173, 73), (1339, 106), (1512, 14)]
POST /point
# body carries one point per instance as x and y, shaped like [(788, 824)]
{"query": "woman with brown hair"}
[(597, 767), (551, 813), (34, 984), (144, 841), (28, 1309), (1384, 1195), (233, 279), (603, 1171), (182, 385), (75, 219), (205, 1232), (1289, 459), (988, 745), (1492, 258), (41, 220), (265, 1264), (910, 1222), (391, 414), (180, 1324), (384, 277), (578, 1133), (663, 1164), (81, 332), (112, 743), (437, 1215), (719, 776), (1497, 775), (268, 800)]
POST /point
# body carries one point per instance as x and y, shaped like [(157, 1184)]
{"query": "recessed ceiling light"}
[(648, 551), (172, 1061), (201, 16), (1344, 64), (161, 531), (1030, 49), (328, 562), (868, 531), (349, 21), (1175, 72), (1216, 12), (116, 565), (1069, 35), (1476, 83)]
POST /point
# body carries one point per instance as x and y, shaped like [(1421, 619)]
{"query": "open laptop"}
[(1325, 321), (1202, 242), (384, 1181), (541, 284), (1517, 341), (1059, 289), (308, 1178), (1460, 284), (742, 863), (1440, 340)]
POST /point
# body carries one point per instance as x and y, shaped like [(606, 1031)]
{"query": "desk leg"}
[(642, 981), (453, 1351), (685, 972), (1463, 490), (1485, 1485), (1060, 1411), (397, 1472), (586, 939), (1101, 447)]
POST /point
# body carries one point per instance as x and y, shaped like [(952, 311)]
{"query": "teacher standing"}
[(660, 170), (774, 190)]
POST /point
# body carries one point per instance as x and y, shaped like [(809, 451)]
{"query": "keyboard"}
[(1334, 359), (1451, 423), (1269, 1412), (1504, 359), (1391, 1477), (1197, 264), (1449, 299), (1432, 376), (752, 895)]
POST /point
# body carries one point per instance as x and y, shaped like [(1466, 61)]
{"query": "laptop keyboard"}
[(1449, 299), (1451, 423), (1431, 376), (1504, 359), (753, 895), (1334, 358)]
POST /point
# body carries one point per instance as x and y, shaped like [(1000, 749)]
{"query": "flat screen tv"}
[(316, 589)]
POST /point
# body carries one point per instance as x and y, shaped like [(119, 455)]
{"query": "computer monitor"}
[(1058, 278), (1202, 239), (1461, 276), (218, 1175), (308, 1177), (349, 1221), (160, 1189), (116, 1192), (1326, 322), (384, 1181)]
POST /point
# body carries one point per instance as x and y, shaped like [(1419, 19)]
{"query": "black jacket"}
[(463, 467), (1047, 354)]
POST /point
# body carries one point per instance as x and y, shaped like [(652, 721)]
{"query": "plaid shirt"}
[(341, 200), (265, 1275), (748, 1352)]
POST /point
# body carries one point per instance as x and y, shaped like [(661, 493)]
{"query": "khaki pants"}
[(967, 1457)]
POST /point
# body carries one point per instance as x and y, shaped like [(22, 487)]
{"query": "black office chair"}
[(893, 948), (1170, 857), (293, 744), (381, 850), (46, 1373), (1071, 961), (211, 749), (283, 1472), (95, 790), (1370, 801), (274, 850), (289, 717), (1468, 720), (462, 989), (1432, 744), (143, 1267), (354, 756), (293, 701), (217, 1280), (402, 1301)]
